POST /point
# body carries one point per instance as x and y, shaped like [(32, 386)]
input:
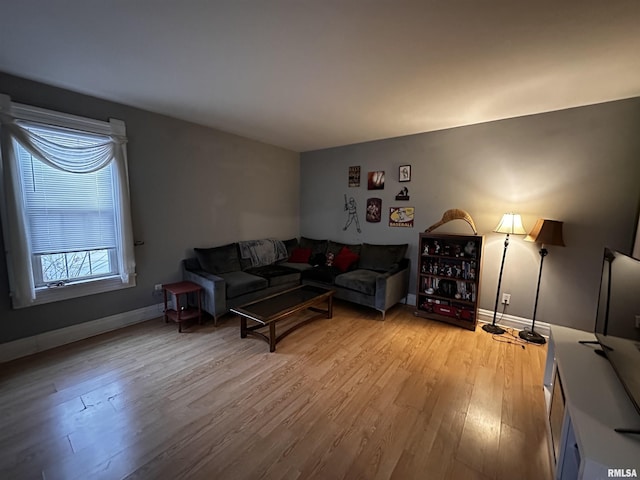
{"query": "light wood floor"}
[(352, 397)]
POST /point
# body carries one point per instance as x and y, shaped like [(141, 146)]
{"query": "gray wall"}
[(195, 186), (191, 186), (580, 166)]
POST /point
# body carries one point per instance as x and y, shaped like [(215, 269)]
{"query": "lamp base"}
[(532, 337), (493, 329)]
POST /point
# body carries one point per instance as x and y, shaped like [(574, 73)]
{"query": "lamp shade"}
[(511, 223), (546, 232)]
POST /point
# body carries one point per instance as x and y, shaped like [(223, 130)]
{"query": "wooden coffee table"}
[(268, 311)]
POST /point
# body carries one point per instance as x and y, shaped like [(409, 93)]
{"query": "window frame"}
[(85, 286), (38, 276)]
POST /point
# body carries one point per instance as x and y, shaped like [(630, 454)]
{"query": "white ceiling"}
[(310, 74)]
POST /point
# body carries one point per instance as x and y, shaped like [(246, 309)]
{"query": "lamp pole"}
[(531, 335), (511, 223), (493, 328)]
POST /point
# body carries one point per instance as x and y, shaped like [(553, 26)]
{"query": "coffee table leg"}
[(330, 307), (243, 327), (272, 337)]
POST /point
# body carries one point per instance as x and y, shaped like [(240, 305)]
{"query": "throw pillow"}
[(290, 245), (316, 246), (300, 255), (345, 259), (335, 247)]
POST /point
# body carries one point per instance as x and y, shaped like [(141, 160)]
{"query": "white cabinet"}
[(585, 403)]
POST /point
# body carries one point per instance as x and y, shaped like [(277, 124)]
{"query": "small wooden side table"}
[(180, 315)]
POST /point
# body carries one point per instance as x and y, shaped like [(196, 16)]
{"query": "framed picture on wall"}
[(374, 210), (403, 194), (404, 173), (401, 216), (354, 176), (375, 180)]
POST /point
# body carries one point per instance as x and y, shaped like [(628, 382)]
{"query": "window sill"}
[(81, 289)]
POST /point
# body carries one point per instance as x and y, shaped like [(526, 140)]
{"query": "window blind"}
[(66, 211)]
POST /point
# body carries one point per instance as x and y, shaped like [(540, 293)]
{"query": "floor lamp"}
[(545, 232), (511, 224)]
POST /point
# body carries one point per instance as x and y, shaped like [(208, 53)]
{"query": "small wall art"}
[(354, 176), (401, 216), (404, 173), (374, 210), (403, 194), (376, 180)]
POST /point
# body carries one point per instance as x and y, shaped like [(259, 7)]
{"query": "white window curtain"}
[(95, 152)]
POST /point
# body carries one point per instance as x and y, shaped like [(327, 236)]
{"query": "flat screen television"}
[(617, 328)]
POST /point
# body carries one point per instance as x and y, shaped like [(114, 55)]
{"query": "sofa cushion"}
[(335, 247), (276, 274), (316, 246), (300, 267), (290, 245), (239, 283), (318, 259), (363, 281), (300, 255), (219, 260), (191, 264), (345, 259), (245, 263), (321, 273), (381, 257)]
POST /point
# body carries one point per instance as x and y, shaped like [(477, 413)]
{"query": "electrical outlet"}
[(506, 298), (158, 287)]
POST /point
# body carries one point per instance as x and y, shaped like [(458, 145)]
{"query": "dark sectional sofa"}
[(375, 276)]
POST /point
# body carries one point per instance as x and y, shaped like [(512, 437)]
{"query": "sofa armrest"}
[(214, 287), (393, 286)]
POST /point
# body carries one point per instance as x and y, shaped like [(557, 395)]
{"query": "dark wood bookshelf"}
[(448, 284)]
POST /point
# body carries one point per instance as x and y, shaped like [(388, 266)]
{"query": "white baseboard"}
[(511, 321), (411, 299), (55, 338)]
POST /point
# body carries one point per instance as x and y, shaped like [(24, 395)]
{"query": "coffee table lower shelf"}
[(266, 312)]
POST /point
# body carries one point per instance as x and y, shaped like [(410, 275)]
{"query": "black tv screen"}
[(617, 320)]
